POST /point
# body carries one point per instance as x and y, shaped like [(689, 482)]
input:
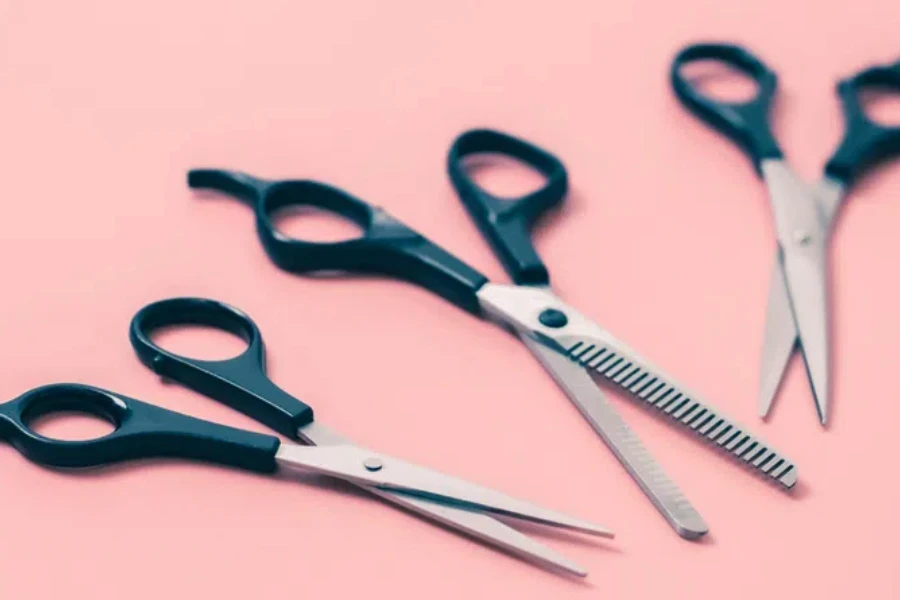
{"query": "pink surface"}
[(666, 240)]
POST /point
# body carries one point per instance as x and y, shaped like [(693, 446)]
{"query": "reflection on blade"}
[(477, 525), (359, 465), (619, 437), (779, 342)]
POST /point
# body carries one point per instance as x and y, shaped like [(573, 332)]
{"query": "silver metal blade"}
[(596, 349), (365, 467), (802, 241), (804, 271), (781, 331), (619, 437), (482, 527), (779, 341), (829, 194), (478, 525)]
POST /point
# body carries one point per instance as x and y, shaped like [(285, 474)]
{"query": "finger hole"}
[(312, 224), (502, 176), (720, 81), (881, 104), (201, 342), (72, 425)]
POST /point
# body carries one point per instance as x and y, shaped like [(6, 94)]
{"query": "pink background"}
[(667, 241)]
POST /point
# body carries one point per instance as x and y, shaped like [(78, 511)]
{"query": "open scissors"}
[(568, 344), (144, 431), (797, 312)]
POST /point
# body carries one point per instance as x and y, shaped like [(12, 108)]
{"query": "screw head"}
[(802, 237), (373, 464), (550, 317)]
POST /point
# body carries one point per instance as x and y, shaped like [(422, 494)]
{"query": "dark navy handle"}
[(240, 382), (386, 246), (507, 222), (865, 142), (142, 431), (745, 123)]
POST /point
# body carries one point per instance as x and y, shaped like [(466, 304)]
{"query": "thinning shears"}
[(797, 312), (145, 431), (568, 344)]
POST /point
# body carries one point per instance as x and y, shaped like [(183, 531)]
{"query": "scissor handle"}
[(507, 222), (386, 246), (141, 431), (240, 382), (746, 123), (865, 142)]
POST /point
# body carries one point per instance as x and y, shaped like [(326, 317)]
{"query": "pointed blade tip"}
[(596, 530)]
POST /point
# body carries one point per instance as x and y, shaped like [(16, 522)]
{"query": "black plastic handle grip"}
[(386, 246), (507, 222), (865, 142), (745, 123), (240, 382), (142, 431)]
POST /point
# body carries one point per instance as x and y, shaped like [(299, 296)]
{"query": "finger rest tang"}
[(386, 247), (240, 382)]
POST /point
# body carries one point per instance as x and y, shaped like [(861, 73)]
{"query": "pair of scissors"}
[(797, 313), (146, 431), (568, 344)]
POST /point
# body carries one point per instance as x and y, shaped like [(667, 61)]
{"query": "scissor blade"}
[(621, 440), (483, 527), (585, 342), (365, 467), (804, 272), (779, 342), (475, 524), (781, 331), (801, 223)]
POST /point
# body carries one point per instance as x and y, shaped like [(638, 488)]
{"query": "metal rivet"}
[(802, 237), (373, 464), (551, 317)]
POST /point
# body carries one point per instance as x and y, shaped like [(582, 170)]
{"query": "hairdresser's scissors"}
[(797, 312), (568, 344), (144, 430)]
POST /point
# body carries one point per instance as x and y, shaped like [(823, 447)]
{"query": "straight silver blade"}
[(585, 342), (621, 440), (802, 241), (781, 331), (804, 271), (478, 525), (365, 467), (779, 341), (482, 527)]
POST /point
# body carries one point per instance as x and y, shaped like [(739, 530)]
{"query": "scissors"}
[(146, 431), (797, 313), (568, 344)]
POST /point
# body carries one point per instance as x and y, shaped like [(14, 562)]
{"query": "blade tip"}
[(601, 532), (696, 529), (789, 479)]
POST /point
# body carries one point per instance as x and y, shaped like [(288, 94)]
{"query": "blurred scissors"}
[(565, 342), (144, 431), (797, 307)]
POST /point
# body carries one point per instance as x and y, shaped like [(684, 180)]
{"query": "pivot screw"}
[(550, 317), (373, 464), (802, 237)]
